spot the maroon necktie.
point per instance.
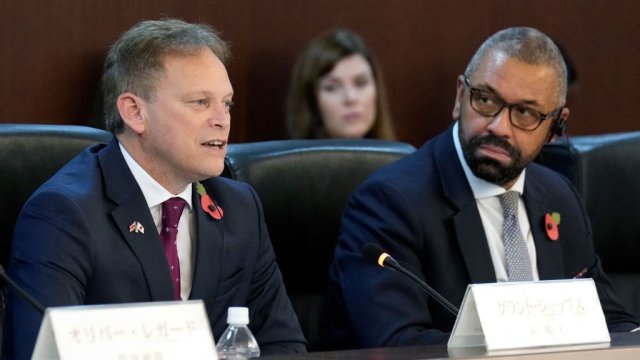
(171, 211)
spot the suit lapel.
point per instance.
(548, 253)
(466, 222)
(209, 250)
(121, 187)
(473, 245)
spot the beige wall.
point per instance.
(52, 52)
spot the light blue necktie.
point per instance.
(515, 248)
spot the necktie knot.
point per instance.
(171, 212)
(509, 203)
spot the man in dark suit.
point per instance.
(438, 211)
(90, 235)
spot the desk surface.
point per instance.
(624, 346)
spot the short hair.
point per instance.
(303, 117)
(135, 62)
(530, 46)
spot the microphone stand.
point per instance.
(20, 291)
(439, 298)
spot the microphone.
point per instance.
(20, 291)
(374, 252)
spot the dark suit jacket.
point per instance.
(72, 245)
(421, 210)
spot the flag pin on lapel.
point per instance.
(136, 227)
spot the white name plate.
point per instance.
(526, 315)
(155, 330)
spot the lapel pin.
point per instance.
(551, 222)
(208, 205)
(136, 227)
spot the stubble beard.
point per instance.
(490, 169)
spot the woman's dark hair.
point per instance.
(303, 117)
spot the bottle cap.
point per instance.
(238, 315)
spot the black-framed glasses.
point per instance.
(521, 116)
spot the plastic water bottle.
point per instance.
(237, 341)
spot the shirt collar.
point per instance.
(480, 187)
(153, 192)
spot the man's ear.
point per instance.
(459, 94)
(559, 127)
(132, 111)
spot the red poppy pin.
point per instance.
(551, 222)
(207, 203)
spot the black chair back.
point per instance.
(29, 155)
(606, 171)
(304, 186)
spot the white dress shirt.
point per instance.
(155, 194)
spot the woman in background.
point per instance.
(337, 91)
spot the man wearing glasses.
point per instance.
(468, 207)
